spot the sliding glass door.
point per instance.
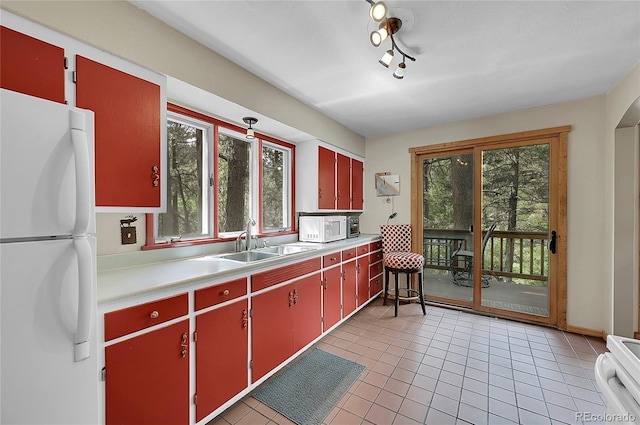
(447, 224)
(490, 214)
(515, 198)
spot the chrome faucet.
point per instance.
(250, 223)
(239, 242)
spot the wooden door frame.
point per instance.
(558, 186)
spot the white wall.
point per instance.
(586, 189)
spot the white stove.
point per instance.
(618, 377)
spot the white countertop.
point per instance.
(116, 284)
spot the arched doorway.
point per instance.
(626, 281)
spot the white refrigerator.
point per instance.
(48, 351)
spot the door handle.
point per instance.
(552, 242)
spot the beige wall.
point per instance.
(586, 188)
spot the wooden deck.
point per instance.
(505, 295)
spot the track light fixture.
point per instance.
(250, 120)
(387, 28)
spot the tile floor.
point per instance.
(452, 367)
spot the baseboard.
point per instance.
(587, 331)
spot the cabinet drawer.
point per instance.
(375, 285)
(273, 277)
(363, 249)
(375, 268)
(217, 294)
(132, 319)
(348, 254)
(374, 246)
(375, 256)
(331, 259)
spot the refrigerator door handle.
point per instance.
(85, 298)
(83, 172)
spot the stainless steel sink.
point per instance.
(249, 256)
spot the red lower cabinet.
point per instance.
(284, 320)
(363, 280)
(221, 356)
(307, 311)
(332, 310)
(147, 378)
(349, 283)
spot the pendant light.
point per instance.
(250, 120)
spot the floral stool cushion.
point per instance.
(403, 260)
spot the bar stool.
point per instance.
(398, 258)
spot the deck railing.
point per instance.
(522, 255)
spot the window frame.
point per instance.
(209, 147)
(288, 182)
(184, 113)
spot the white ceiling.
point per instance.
(473, 58)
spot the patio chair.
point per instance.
(398, 258)
(463, 275)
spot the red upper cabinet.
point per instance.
(343, 177)
(357, 184)
(128, 135)
(326, 180)
(31, 66)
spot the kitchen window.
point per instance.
(189, 195)
(218, 179)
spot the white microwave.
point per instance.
(316, 228)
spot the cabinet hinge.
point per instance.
(195, 336)
(250, 312)
(74, 77)
(250, 364)
(66, 62)
(211, 180)
(195, 399)
(103, 374)
(322, 319)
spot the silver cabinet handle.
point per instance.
(154, 314)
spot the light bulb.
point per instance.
(378, 11)
(377, 37)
